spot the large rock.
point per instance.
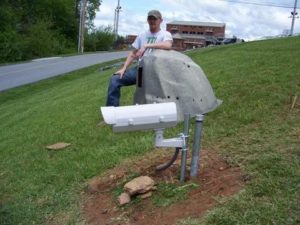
(139, 185)
(170, 76)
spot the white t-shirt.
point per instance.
(149, 38)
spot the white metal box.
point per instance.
(141, 117)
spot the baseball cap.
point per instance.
(155, 13)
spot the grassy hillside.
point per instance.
(254, 128)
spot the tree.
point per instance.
(92, 7)
(23, 36)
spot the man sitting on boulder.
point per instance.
(154, 38)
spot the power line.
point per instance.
(260, 4)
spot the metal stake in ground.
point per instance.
(196, 146)
(184, 150)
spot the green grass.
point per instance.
(168, 193)
(37, 184)
(254, 128)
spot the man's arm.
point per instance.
(131, 56)
(165, 45)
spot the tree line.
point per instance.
(35, 28)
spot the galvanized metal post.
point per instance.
(184, 149)
(196, 146)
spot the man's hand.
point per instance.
(121, 72)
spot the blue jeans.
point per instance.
(115, 84)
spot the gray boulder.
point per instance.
(170, 76)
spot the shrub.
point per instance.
(42, 41)
(101, 39)
(11, 46)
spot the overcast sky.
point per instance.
(242, 19)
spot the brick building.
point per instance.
(189, 34)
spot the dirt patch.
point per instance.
(216, 180)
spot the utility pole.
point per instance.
(294, 14)
(116, 19)
(83, 4)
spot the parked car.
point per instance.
(229, 41)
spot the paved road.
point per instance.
(25, 73)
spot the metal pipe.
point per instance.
(196, 146)
(170, 142)
(184, 149)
